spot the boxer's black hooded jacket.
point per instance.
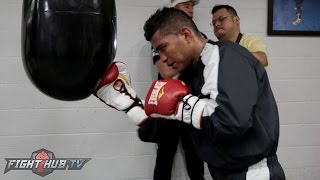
(240, 126)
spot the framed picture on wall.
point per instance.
(294, 17)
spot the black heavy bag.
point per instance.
(68, 44)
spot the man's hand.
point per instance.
(170, 99)
(115, 91)
(114, 88)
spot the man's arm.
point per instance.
(255, 45)
(231, 84)
(262, 57)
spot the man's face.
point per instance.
(165, 70)
(224, 24)
(186, 7)
(173, 50)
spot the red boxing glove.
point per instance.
(114, 90)
(164, 96)
(170, 99)
(108, 77)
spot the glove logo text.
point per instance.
(156, 94)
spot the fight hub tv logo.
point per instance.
(43, 163)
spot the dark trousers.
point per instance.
(299, 6)
(275, 171)
(167, 147)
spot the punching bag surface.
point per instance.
(68, 44)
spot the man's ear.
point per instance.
(187, 34)
(237, 19)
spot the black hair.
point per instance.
(167, 21)
(229, 8)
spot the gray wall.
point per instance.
(89, 129)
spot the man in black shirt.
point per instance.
(230, 105)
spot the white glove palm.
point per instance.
(119, 95)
